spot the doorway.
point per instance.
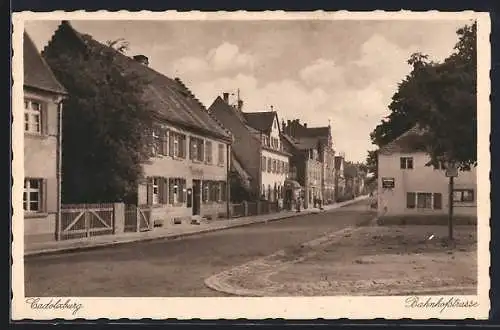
(196, 197)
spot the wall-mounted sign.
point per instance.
(387, 182)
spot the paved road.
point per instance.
(176, 267)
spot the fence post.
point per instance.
(138, 219)
(119, 218)
(245, 208)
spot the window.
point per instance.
(156, 141)
(32, 116)
(274, 166)
(32, 196)
(463, 195)
(204, 191)
(177, 144)
(208, 152)
(264, 163)
(269, 165)
(220, 160)
(406, 163)
(196, 149)
(177, 189)
(157, 190)
(423, 200)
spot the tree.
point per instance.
(371, 162)
(441, 98)
(104, 124)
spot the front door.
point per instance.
(196, 197)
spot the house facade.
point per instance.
(43, 96)
(406, 186)
(186, 174)
(262, 160)
(311, 164)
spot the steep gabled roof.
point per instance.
(412, 140)
(261, 121)
(37, 73)
(170, 98)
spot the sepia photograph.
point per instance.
(245, 156)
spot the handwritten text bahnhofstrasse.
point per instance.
(440, 303)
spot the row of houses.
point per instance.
(201, 159)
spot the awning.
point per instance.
(292, 184)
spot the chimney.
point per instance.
(305, 125)
(225, 96)
(142, 59)
(240, 105)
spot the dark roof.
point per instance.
(261, 121)
(304, 143)
(412, 140)
(315, 131)
(37, 73)
(170, 98)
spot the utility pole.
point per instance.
(451, 173)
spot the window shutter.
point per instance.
(410, 200)
(44, 118)
(149, 186)
(164, 142)
(171, 191)
(182, 147)
(43, 195)
(437, 201)
(171, 144)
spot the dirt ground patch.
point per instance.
(385, 261)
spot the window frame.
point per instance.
(413, 203)
(27, 195)
(405, 162)
(462, 198)
(29, 113)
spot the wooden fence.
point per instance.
(86, 220)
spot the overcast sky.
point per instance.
(343, 71)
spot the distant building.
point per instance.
(186, 173)
(262, 162)
(313, 160)
(340, 179)
(406, 186)
(43, 96)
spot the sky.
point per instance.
(342, 72)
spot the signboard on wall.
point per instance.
(388, 183)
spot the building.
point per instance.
(312, 162)
(260, 158)
(406, 186)
(43, 96)
(186, 173)
(340, 179)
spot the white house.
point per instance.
(406, 186)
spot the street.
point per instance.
(177, 267)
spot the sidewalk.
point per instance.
(171, 232)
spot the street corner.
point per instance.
(368, 261)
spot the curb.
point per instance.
(53, 251)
